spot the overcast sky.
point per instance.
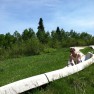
(67, 14)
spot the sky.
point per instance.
(66, 14)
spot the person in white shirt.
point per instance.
(75, 57)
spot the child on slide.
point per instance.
(74, 58)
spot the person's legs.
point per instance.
(71, 60)
(79, 60)
(71, 63)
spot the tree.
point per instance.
(47, 38)
(17, 36)
(86, 37)
(9, 40)
(63, 33)
(28, 34)
(58, 34)
(31, 33)
(41, 31)
(25, 34)
(2, 40)
(54, 41)
(41, 26)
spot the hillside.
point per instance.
(79, 83)
(15, 69)
(18, 68)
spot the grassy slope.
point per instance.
(15, 69)
(79, 83)
(86, 50)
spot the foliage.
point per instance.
(87, 49)
(41, 31)
(33, 47)
(79, 83)
(31, 43)
(28, 34)
(49, 50)
(18, 68)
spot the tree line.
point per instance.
(31, 43)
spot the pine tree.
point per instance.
(41, 31)
(41, 26)
(58, 34)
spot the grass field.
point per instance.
(15, 69)
(79, 83)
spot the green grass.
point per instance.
(86, 50)
(15, 69)
(79, 83)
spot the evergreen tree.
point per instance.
(41, 31)
(41, 26)
(58, 34)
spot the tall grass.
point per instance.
(86, 50)
(79, 83)
(18, 68)
(15, 69)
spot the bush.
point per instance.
(33, 47)
(17, 50)
(49, 50)
(4, 53)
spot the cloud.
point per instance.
(74, 14)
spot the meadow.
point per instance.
(19, 68)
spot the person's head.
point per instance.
(72, 50)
